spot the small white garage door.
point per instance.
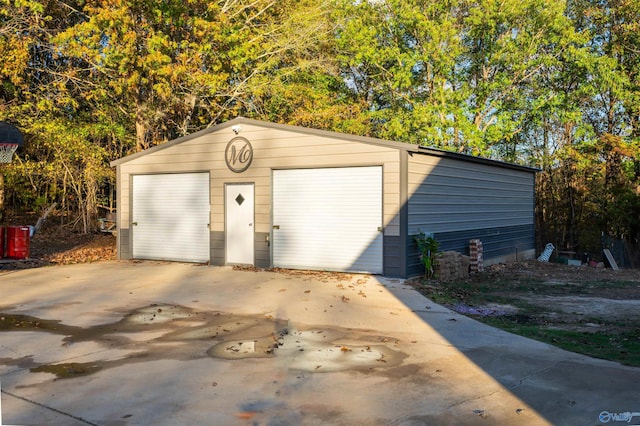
(328, 219)
(170, 217)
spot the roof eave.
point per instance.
(173, 142)
(419, 149)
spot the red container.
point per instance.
(17, 242)
(2, 240)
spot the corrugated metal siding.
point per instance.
(328, 218)
(216, 242)
(442, 192)
(514, 242)
(497, 242)
(263, 250)
(458, 201)
(273, 149)
(171, 212)
(123, 241)
(392, 261)
(447, 195)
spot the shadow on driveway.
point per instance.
(121, 343)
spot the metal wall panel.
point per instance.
(328, 219)
(393, 262)
(447, 195)
(170, 217)
(512, 243)
(458, 201)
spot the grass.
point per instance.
(606, 338)
(623, 347)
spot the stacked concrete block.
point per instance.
(475, 253)
(452, 266)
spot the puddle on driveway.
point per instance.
(65, 371)
(162, 331)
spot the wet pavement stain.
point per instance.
(65, 371)
(9, 322)
(163, 331)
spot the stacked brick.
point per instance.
(451, 266)
(475, 254)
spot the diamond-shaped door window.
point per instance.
(239, 199)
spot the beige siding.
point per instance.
(273, 149)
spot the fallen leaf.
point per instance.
(246, 415)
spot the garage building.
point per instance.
(248, 192)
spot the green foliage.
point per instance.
(428, 247)
(64, 162)
(549, 84)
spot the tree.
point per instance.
(515, 52)
(34, 79)
(399, 59)
(175, 68)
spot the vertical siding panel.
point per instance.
(274, 148)
(459, 200)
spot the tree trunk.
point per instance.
(141, 143)
(142, 126)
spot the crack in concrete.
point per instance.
(30, 401)
(464, 401)
(528, 377)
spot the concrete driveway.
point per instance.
(139, 343)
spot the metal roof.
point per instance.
(411, 148)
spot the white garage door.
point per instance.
(170, 217)
(328, 219)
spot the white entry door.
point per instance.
(239, 240)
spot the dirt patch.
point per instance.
(589, 310)
(594, 308)
(58, 245)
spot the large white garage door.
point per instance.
(328, 219)
(170, 217)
